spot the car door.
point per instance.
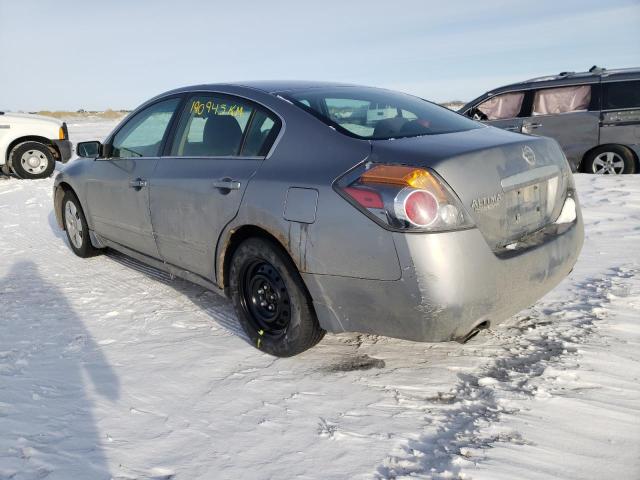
(620, 112)
(570, 114)
(218, 144)
(502, 111)
(117, 192)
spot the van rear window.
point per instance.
(621, 95)
(376, 114)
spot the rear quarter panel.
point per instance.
(341, 241)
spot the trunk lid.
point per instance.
(511, 184)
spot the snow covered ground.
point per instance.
(110, 369)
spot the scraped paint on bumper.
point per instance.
(451, 282)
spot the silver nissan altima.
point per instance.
(326, 207)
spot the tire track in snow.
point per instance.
(467, 418)
(215, 306)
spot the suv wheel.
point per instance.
(271, 300)
(610, 160)
(31, 160)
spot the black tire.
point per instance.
(40, 152)
(293, 327)
(593, 162)
(80, 245)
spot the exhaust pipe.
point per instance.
(473, 332)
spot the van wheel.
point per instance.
(31, 160)
(271, 300)
(610, 160)
(76, 226)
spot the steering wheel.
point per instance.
(477, 114)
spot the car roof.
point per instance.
(270, 87)
(273, 86)
(267, 86)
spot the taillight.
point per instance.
(405, 198)
(366, 197)
(418, 207)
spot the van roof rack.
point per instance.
(567, 74)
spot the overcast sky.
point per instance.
(67, 54)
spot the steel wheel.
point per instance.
(34, 161)
(271, 299)
(73, 224)
(608, 163)
(265, 298)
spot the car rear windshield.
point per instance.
(375, 114)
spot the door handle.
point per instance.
(532, 125)
(227, 184)
(513, 128)
(138, 183)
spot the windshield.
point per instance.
(376, 114)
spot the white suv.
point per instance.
(31, 144)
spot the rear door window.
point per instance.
(506, 105)
(261, 134)
(619, 95)
(562, 100)
(211, 126)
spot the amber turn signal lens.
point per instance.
(404, 176)
(61, 134)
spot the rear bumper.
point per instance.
(451, 282)
(64, 147)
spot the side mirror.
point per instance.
(89, 149)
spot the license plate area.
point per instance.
(526, 206)
(530, 198)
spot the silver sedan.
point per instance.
(325, 207)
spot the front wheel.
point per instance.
(610, 160)
(271, 300)
(32, 160)
(76, 226)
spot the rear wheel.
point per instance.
(31, 160)
(76, 226)
(610, 160)
(271, 300)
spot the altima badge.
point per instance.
(529, 155)
(486, 203)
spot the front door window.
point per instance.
(500, 107)
(142, 135)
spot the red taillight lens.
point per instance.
(365, 197)
(404, 198)
(418, 207)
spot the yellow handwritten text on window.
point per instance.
(198, 108)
